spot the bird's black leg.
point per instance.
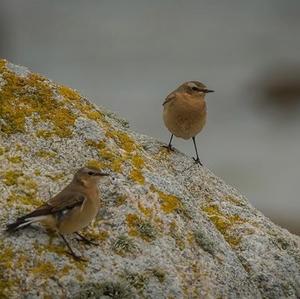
(85, 240)
(75, 256)
(169, 146)
(197, 160)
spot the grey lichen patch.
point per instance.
(107, 289)
(19, 70)
(204, 241)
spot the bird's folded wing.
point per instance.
(66, 200)
(169, 98)
(62, 201)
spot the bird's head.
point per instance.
(87, 175)
(194, 88)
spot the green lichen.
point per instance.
(123, 245)
(136, 280)
(159, 273)
(107, 289)
(203, 240)
(140, 227)
(176, 235)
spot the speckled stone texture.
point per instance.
(167, 228)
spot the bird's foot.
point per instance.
(85, 240)
(169, 147)
(197, 161)
(77, 258)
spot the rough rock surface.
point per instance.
(166, 229)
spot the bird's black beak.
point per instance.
(99, 173)
(208, 90)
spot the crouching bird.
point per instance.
(70, 210)
(184, 112)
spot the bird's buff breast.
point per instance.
(185, 118)
(78, 218)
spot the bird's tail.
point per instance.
(21, 222)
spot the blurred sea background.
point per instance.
(128, 55)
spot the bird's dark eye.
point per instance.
(90, 173)
(195, 88)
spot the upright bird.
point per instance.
(70, 210)
(185, 113)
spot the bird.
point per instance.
(184, 112)
(71, 210)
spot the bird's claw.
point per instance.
(77, 258)
(86, 241)
(197, 161)
(169, 147)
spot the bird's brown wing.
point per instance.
(62, 201)
(169, 98)
(66, 200)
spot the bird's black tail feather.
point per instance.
(19, 223)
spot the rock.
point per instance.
(167, 228)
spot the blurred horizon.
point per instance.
(128, 56)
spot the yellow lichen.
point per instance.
(37, 172)
(146, 211)
(2, 150)
(75, 99)
(169, 203)
(138, 161)
(107, 154)
(56, 176)
(101, 235)
(120, 201)
(223, 222)
(11, 176)
(122, 139)
(44, 134)
(21, 97)
(99, 145)
(137, 176)
(45, 154)
(15, 159)
(44, 269)
(94, 164)
(6, 264)
(23, 199)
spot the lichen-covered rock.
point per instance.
(166, 229)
